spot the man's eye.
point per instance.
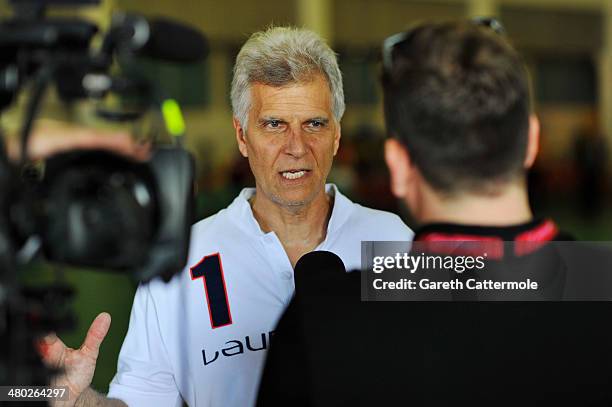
(273, 124)
(317, 124)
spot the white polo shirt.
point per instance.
(203, 336)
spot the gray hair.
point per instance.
(279, 56)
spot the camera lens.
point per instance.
(100, 213)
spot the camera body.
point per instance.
(88, 208)
(97, 209)
(94, 208)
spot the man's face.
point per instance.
(291, 140)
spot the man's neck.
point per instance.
(507, 207)
(300, 229)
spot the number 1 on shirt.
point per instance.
(211, 270)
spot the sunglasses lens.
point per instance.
(392, 42)
(491, 23)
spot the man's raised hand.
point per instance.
(76, 366)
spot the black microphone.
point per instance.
(158, 38)
(175, 42)
(315, 267)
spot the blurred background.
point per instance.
(567, 45)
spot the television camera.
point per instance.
(88, 208)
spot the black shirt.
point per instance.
(331, 349)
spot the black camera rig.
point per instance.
(87, 207)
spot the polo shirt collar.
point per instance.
(241, 213)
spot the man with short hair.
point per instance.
(202, 337)
(462, 138)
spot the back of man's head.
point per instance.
(456, 96)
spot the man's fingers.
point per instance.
(45, 142)
(116, 142)
(51, 349)
(97, 331)
(49, 138)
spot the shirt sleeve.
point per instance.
(144, 375)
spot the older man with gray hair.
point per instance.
(202, 338)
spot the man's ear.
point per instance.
(240, 137)
(400, 167)
(533, 142)
(337, 139)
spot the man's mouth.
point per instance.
(293, 174)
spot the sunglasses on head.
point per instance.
(395, 40)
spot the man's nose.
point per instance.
(296, 143)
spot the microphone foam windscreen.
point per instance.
(317, 265)
(175, 42)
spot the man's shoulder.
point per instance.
(588, 271)
(210, 223)
(380, 224)
(217, 233)
(227, 222)
(222, 223)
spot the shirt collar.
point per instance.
(241, 213)
(453, 238)
(535, 230)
